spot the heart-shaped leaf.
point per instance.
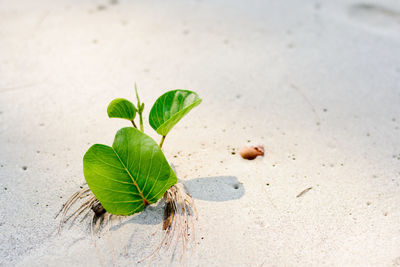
(170, 108)
(130, 174)
(121, 108)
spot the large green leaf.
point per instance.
(130, 174)
(121, 108)
(170, 108)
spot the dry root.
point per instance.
(179, 215)
(89, 202)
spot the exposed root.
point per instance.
(89, 202)
(94, 240)
(178, 224)
(179, 215)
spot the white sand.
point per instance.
(268, 72)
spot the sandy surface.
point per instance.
(316, 82)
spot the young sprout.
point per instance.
(124, 178)
(140, 109)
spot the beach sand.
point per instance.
(317, 83)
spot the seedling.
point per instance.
(124, 178)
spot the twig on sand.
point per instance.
(309, 103)
(304, 191)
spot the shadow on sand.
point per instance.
(216, 188)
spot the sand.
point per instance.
(316, 82)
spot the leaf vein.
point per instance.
(108, 178)
(117, 191)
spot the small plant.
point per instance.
(124, 178)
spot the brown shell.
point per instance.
(252, 152)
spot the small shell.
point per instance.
(251, 152)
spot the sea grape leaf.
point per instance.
(129, 175)
(170, 108)
(121, 108)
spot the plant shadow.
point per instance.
(151, 215)
(216, 188)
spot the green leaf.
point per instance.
(170, 108)
(130, 174)
(121, 108)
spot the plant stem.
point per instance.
(162, 141)
(141, 121)
(134, 124)
(140, 109)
